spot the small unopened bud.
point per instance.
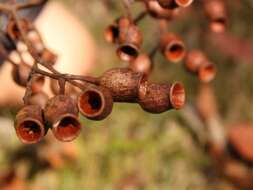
(61, 114)
(29, 124)
(95, 103)
(172, 47)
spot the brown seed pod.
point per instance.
(20, 74)
(12, 29)
(29, 124)
(48, 56)
(6, 42)
(171, 4)
(124, 23)
(157, 11)
(142, 64)
(172, 47)
(95, 103)
(61, 114)
(217, 14)
(240, 137)
(158, 98)
(167, 4)
(183, 3)
(112, 32)
(123, 84)
(39, 98)
(130, 41)
(207, 72)
(194, 59)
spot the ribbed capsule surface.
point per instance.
(61, 114)
(95, 103)
(123, 84)
(29, 124)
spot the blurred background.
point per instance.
(132, 149)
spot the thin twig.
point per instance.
(140, 17)
(72, 79)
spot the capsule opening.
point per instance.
(177, 95)
(218, 25)
(175, 52)
(207, 73)
(127, 52)
(184, 3)
(67, 129)
(30, 131)
(90, 102)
